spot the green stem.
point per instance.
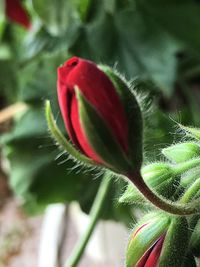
(161, 203)
(94, 216)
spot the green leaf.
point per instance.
(103, 26)
(8, 79)
(83, 7)
(29, 124)
(145, 50)
(179, 18)
(38, 180)
(35, 176)
(141, 47)
(57, 16)
(38, 42)
(38, 77)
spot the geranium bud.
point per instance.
(147, 237)
(96, 117)
(161, 177)
(155, 241)
(181, 152)
(158, 176)
(157, 173)
(176, 243)
(17, 13)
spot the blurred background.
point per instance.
(154, 40)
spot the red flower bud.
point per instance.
(17, 13)
(151, 257)
(158, 241)
(82, 77)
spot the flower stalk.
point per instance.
(94, 216)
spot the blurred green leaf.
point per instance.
(38, 78)
(28, 125)
(146, 51)
(141, 48)
(38, 178)
(179, 18)
(41, 175)
(57, 16)
(8, 79)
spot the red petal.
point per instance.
(151, 256)
(98, 90)
(78, 132)
(144, 258)
(16, 12)
(155, 253)
(64, 98)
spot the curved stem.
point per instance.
(164, 204)
(94, 216)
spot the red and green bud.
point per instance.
(17, 13)
(91, 100)
(158, 241)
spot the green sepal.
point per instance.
(186, 180)
(156, 225)
(182, 152)
(191, 131)
(176, 243)
(192, 192)
(195, 240)
(158, 176)
(61, 141)
(189, 177)
(100, 137)
(133, 115)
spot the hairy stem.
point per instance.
(161, 203)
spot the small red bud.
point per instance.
(17, 13)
